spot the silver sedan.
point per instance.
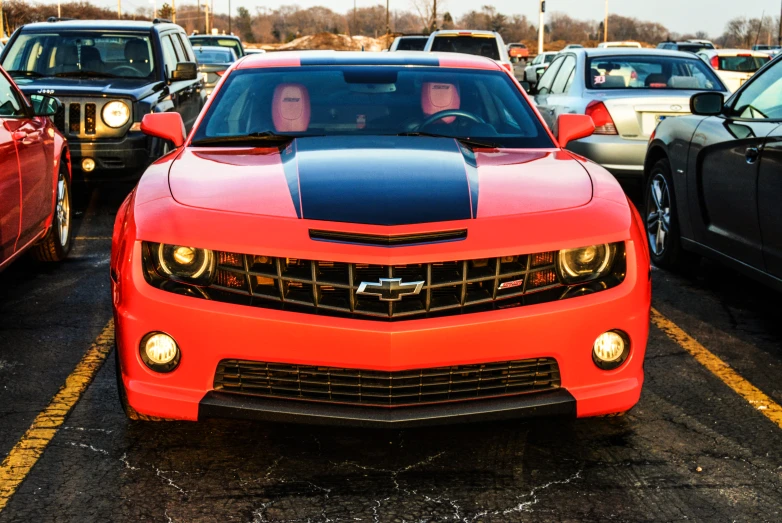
(627, 92)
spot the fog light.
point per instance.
(160, 352)
(611, 349)
(88, 164)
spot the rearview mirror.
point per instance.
(44, 105)
(166, 126)
(707, 104)
(573, 127)
(185, 71)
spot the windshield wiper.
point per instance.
(466, 141)
(85, 74)
(20, 72)
(250, 139)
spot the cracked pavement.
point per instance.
(691, 450)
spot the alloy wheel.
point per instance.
(63, 210)
(658, 217)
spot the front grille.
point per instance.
(74, 118)
(332, 288)
(387, 389)
(89, 119)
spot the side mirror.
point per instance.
(527, 87)
(44, 105)
(707, 104)
(185, 71)
(167, 126)
(573, 127)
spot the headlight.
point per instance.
(116, 114)
(181, 263)
(585, 263)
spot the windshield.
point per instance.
(83, 53)
(650, 72)
(219, 42)
(213, 56)
(481, 106)
(742, 63)
(412, 44)
(477, 45)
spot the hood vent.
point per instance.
(402, 240)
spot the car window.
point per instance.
(178, 49)
(220, 42)
(364, 100)
(545, 82)
(10, 105)
(762, 99)
(564, 75)
(169, 54)
(650, 72)
(480, 46)
(185, 43)
(538, 59)
(411, 44)
(81, 53)
(207, 55)
(745, 63)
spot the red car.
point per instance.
(376, 239)
(35, 178)
(518, 51)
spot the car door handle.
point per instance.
(26, 137)
(753, 153)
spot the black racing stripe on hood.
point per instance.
(471, 166)
(291, 170)
(383, 180)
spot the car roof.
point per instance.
(213, 48)
(725, 52)
(625, 51)
(105, 25)
(400, 58)
(463, 32)
(412, 36)
(215, 37)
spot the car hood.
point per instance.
(382, 180)
(136, 89)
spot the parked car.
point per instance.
(480, 43)
(538, 66)
(409, 43)
(253, 51)
(108, 75)
(518, 50)
(618, 45)
(735, 66)
(761, 47)
(572, 46)
(690, 46)
(713, 184)
(212, 63)
(627, 92)
(252, 270)
(230, 41)
(35, 178)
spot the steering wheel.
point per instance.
(450, 112)
(127, 68)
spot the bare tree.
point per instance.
(427, 12)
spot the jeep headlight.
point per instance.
(116, 114)
(181, 262)
(585, 263)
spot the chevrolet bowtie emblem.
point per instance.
(390, 289)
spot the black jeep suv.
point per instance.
(108, 75)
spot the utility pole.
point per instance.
(59, 10)
(119, 8)
(434, 16)
(206, 17)
(154, 9)
(229, 18)
(388, 27)
(354, 17)
(605, 25)
(173, 11)
(541, 25)
(2, 21)
(779, 36)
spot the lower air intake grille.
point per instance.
(89, 118)
(74, 118)
(387, 389)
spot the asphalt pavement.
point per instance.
(692, 449)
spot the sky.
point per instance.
(682, 16)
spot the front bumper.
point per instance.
(208, 332)
(115, 158)
(621, 157)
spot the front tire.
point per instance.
(55, 246)
(662, 220)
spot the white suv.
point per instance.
(480, 43)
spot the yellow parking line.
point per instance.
(762, 403)
(17, 465)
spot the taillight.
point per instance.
(715, 62)
(604, 124)
(220, 73)
(508, 66)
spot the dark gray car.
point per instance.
(714, 181)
